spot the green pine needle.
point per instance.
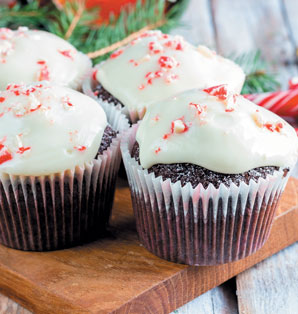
(87, 36)
(258, 79)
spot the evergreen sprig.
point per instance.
(88, 36)
(258, 77)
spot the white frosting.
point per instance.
(225, 133)
(46, 129)
(156, 66)
(28, 56)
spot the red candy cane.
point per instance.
(283, 103)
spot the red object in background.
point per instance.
(283, 103)
(108, 6)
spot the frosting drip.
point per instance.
(215, 129)
(157, 65)
(28, 56)
(46, 129)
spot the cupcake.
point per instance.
(206, 170)
(28, 56)
(59, 159)
(156, 66)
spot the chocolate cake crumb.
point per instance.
(108, 135)
(104, 95)
(186, 172)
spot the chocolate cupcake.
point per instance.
(28, 56)
(206, 170)
(156, 66)
(59, 160)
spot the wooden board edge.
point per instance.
(35, 300)
(191, 282)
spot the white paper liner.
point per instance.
(88, 89)
(63, 209)
(198, 226)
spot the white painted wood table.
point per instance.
(237, 26)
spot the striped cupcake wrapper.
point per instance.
(64, 209)
(198, 226)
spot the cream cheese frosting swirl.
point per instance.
(28, 56)
(156, 66)
(46, 129)
(215, 129)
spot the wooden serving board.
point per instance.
(117, 275)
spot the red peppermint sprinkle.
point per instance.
(168, 44)
(154, 47)
(94, 75)
(34, 109)
(158, 74)
(29, 91)
(167, 62)
(22, 150)
(229, 110)
(157, 150)
(5, 155)
(2, 99)
(278, 127)
(80, 148)
(220, 91)
(41, 62)
(116, 54)
(66, 53)
(200, 109)
(269, 126)
(179, 47)
(167, 135)
(274, 127)
(44, 74)
(156, 118)
(141, 87)
(177, 128)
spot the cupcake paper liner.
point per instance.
(63, 209)
(88, 89)
(198, 226)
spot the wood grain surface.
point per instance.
(228, 25)
(118, 275)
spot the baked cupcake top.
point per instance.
(46, 129)
(156, 66)
(28, 56)
(215, 129)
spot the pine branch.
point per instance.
(258, 78)
(31, 15)
(75, 24)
